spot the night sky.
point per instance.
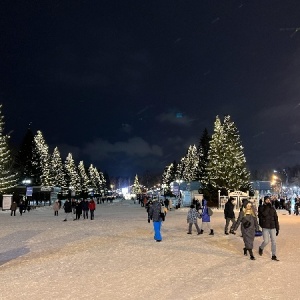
(129, 85)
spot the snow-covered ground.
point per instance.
(115, 257)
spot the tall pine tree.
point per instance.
(7, 175)
(227, 164)
(24, 158)
(57, 172)
(191, 160)
(84, 179)
(41, 159)
(169, 174)
(72, 177)
(216, 156)
(203, 150)
(237, 175)
(136, 189)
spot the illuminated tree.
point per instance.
(169, 174)
(216, 155)
(237, 176)
(180, 169)
(227, 164)
(72, 177)
(84, 179)
(57, 173)
(136, 189)
(41, 159)
(97, 181)
(7, 176)
(191, 161)
(103, 180)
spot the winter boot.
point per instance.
(201, 231)
(275, 258)
(245, 251)
(251, 254)
(260, 251)
(211, 232)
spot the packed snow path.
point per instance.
(115, 257)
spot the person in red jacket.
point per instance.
(92, 208)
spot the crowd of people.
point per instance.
(292, 205)
(76, 207)
(253, 221)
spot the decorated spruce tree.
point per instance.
(92, 178)
(57, 172)
(227, 164)
(237, 175)
(72, 177)
(7, 175)
(136, 189)
(169, 174)
(41, 159)
(216, 168)
(180, 169)
(96, 178)
(190, 171)
(84, 179)
(103, 180)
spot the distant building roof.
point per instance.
(261, 185)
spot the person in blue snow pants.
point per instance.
(157, 234)
(155, 216)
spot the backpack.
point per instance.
(210, 211)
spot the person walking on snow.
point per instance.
(155, 216)
(229, 215)
(192, 218)
(268, 221)
(249, 225)
(205, 218)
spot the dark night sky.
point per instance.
(106, 80)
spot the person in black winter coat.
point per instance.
(268, 220)
(85, 208)
(155, 216)
(68, 209)
(78, 208)
(229, 215)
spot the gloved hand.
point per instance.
(277, 232)
(148, 220)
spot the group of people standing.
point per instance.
(77, 207)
